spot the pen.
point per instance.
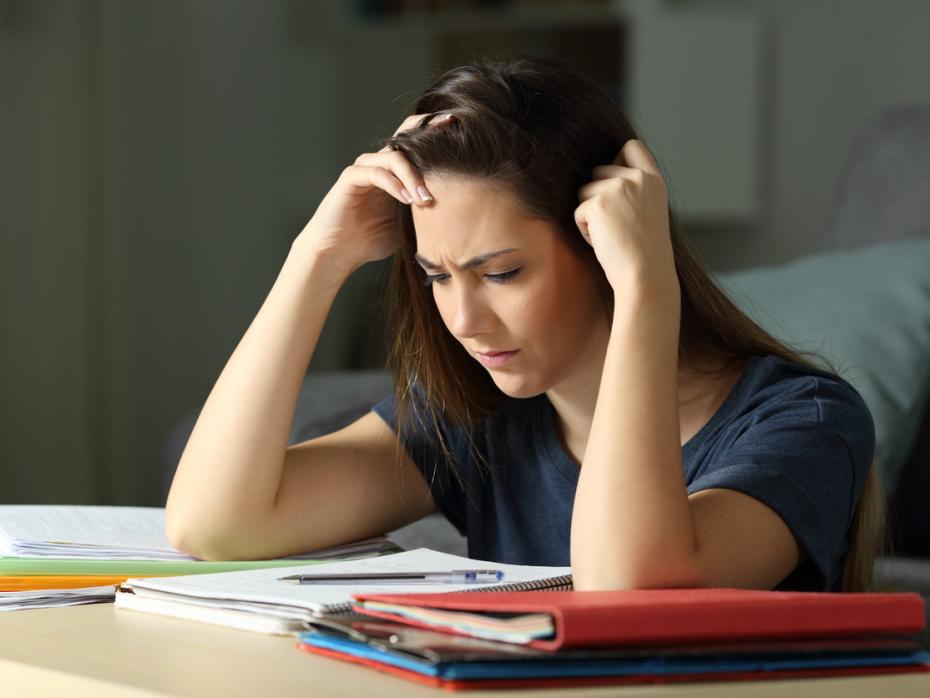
(451, 577)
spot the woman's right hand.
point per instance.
(354, 222)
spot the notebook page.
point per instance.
(263, 585)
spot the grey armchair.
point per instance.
(885, 197)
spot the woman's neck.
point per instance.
(700, 395)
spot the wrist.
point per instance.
(647, 295)
(326, 265)
(650, 285)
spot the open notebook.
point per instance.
(257, 600)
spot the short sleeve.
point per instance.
(420, 442)
(805, 456)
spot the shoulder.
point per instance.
(797, 421)
(785, 392)
(806, 423)
(800, 440)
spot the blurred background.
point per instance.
(157, 158)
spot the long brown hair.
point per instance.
(536, 128)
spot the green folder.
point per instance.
(20, 566)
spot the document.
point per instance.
(17, 600)
(82, 531)
(113, 532)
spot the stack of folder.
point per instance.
(570, 638)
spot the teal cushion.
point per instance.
(867, 311)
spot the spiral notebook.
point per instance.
(257, 600)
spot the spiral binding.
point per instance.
(561, 583)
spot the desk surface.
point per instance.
(101, 651)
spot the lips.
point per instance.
(493, 359)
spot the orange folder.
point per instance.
(36, 582)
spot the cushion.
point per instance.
(867, 312)
(885, 194)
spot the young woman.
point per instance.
(571, 386)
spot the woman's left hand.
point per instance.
(624, 215)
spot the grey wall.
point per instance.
(47, 383)
(157, 158)
(833, 64)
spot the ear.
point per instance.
(441, 119)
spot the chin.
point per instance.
(517, 386)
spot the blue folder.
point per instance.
(661, 661)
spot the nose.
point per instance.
(466, 313)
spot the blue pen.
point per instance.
(450, 577)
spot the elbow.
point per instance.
(217, 538)
(194, 528)
(196, 539)
(660, 576)
(179, 528)
(620, 584)
(200, 546)
(180, 536)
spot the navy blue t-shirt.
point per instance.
(797, 439)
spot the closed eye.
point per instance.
(431, 279)
(501, 278)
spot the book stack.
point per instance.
(570, 638)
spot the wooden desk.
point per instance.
(97, 650)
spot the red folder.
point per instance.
(663, 616)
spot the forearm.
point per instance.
(231, 468)
(631, 522)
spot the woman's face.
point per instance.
(505, 282)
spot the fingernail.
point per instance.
(406, 194)
(424, 195)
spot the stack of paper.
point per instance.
(16, 600)
(57, 548)
(258, 600)
(103, 532)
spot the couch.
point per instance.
(863, 301)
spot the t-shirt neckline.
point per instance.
(734, 397)
(567, 466)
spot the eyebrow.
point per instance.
(473, 262)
